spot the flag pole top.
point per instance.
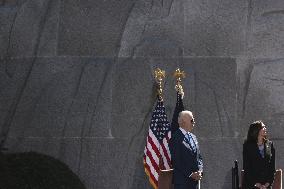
(159, 75)
(179, 75)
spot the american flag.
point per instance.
(157, 154)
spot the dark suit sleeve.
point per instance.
(176, 155)
(248, 177)
(200, 162)
(199, 158)
(272, 164)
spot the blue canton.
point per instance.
(159, 123)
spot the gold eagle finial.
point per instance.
(179, 75)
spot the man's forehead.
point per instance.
(189, 116)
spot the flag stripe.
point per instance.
(166, 154)
(154, 141)
(152, 179)
(153, 167)
(153, 152)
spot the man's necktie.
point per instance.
(190, 141)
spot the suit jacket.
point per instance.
(256, 168)
(184, 160)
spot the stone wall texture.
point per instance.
(76, 80)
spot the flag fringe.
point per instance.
(148, 174)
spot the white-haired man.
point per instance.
(185, 153)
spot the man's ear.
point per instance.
(182, 121)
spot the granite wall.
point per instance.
(76, 80)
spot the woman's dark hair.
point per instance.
(253, 131)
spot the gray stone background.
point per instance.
(76, 80)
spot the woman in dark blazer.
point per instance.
(258, 158)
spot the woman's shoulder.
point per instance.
(248, 144)
(269, 143)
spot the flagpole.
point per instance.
(152, 151)
(159, 75)
(179, 75)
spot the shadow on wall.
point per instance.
(228, 179)
(36, 171)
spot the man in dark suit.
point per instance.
(185, 153)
